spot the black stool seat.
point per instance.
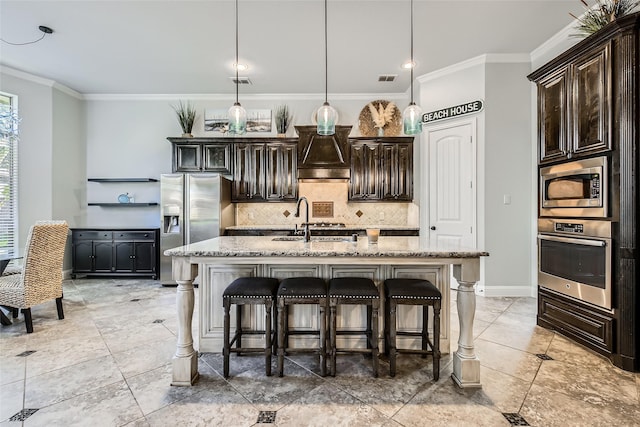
(308, 287)
(249, 291)
(301, 290)
(412, 292)
(411, 288)
(354, 290)
(251, 287)
(353, 287)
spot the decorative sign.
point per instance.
(449, 112)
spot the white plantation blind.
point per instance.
(8, 176)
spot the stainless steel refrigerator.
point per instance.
(194, 207)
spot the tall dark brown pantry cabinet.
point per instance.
(589, 106)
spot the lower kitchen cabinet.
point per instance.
(115, 252)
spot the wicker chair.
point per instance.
(41, 276)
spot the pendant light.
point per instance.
(326, 115)
(412, 115)
(237, 114)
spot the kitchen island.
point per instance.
(217, 262)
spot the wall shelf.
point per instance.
(123, 205)
(122, 180)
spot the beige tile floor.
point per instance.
(108, 364)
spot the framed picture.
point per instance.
(216, 120)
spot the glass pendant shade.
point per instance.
(237, 120)
(327, 117)
(412, 118)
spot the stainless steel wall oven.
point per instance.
(574, 258)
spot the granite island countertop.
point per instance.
(268, 246)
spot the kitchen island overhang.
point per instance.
(218, 261)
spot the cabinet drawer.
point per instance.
(92, 235)
(133, 235)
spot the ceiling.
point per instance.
(187, 47)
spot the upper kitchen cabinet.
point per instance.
(281, 171)
(365, 171)
(381, 169)
(264, 170)
(574, 104)
(248, 173)
(396, 171)
(201, 155)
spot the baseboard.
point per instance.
(509, 291)
(66, 274)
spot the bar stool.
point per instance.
(412, 292)
(249, 291)
(354, 290)
(301, 290)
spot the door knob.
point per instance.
(433, 227)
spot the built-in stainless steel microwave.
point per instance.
(575, 189)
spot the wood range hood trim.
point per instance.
(323, 157)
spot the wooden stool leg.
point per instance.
(323, 337)
(332, 336)
(238, 326)
(373, 337)
(226, 347)
(392, 337)
(368, 331)
(281, 333)
(387, 322)
(267, 337)
(425, 330)
(436, 340)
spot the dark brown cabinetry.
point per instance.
(201, 155)
(115, 252)
(381, 169)
(248, 173)
(365, 171)
(589, 102)
(396, 171)
(281, 171)
(574, 104)
(265, 171)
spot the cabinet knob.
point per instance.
(433, 227)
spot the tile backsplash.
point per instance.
(366, 214)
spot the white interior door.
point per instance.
(452, 183)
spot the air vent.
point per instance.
(387, 77)
(241, 80)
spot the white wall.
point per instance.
(508, 172)
(126, 137)
(504, 162)
(35, 149)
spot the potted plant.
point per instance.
(283, 119)
(604, 12)
(186, 116)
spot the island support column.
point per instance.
(185, 361)
(466, 365)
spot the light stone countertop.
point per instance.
(266, 246)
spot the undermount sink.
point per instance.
(313, 239)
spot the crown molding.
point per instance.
(244, 98)
(556, 40)
(40, 80)
(489, 58)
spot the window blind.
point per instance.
(8, 175)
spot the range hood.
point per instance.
(323, 157)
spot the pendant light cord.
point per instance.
(326, 56)
(237, 82)
(412, 63)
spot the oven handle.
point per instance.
(586, 242)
